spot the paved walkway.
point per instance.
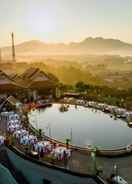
(84, 163)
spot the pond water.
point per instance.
(84, 126)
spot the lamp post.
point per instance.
(67, 143)
(93, 156)
(116, 172)
(49, 131)
(71, 135)
(37, 121)
(40, 133)
(43, 135)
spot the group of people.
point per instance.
(42, 147)
(2, 139)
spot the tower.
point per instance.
(13, 48)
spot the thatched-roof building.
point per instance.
(39, 80)
(32, 82)
(9, 85)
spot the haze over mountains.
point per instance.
(89, 45)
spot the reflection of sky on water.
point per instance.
(88, 126)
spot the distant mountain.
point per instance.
(89, 45)
(101, 43)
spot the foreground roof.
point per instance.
(35, 74)
(35, 173)
(31, 78)
(4, 78)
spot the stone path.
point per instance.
(84, 163)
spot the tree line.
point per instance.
(103, 94)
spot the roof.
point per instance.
(13, 76)
(20, 82)
(36, 74)
(6, 176)
(39, 78)
(29, 73)
(28, 168)
(15, 81)
(31, 78)
(4, 78)
(12, 100)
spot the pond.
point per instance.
(84, 126)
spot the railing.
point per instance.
(52, 166)
(100, 152)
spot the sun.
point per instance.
(42, 21)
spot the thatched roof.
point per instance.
(39, 78)
(6, 82)
(12, 100)
(29, 73)
(4, 78)
(36, 73)
(33, 78)
(21, 82)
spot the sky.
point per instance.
(65, 20)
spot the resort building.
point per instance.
(31, 83)
(9, 86)
(40, 82)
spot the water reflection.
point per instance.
(89, 126)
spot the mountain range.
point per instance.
(89, 45)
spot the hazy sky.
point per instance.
(65, 20)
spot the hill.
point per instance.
(89, 45)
